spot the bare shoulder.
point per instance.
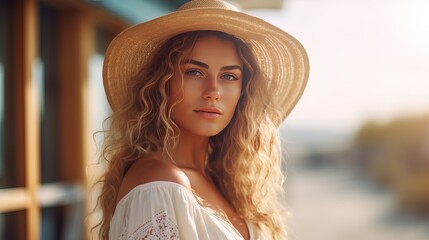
(151, 170)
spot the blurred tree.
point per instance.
(396, 155)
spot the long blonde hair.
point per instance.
(243, 160)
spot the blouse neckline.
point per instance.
(209, 211)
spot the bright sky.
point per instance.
(369, 59)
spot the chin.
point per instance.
(203, 130)
(210, 133)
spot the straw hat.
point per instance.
(280, 56)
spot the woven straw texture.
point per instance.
(282, 59)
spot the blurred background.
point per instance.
(356, 146)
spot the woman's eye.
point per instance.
(193, 73)
(229, 77)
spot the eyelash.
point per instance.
(229, 77)
(193, 73)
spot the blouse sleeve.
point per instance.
(157, 210)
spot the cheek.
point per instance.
(231, 101)
(234, 95)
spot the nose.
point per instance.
(212, 90)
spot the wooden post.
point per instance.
(28, 120)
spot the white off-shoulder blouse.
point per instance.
(167, 210)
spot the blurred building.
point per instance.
(51, 103)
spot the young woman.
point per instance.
(192, 150)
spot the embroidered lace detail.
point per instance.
(159, 227)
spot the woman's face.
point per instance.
(212, 80)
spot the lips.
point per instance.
(209, 112)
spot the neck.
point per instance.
(190, 152)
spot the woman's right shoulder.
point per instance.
(149, 170)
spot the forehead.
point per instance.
(214, 49)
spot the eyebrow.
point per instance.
(204, 65)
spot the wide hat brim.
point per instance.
(281, 58)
